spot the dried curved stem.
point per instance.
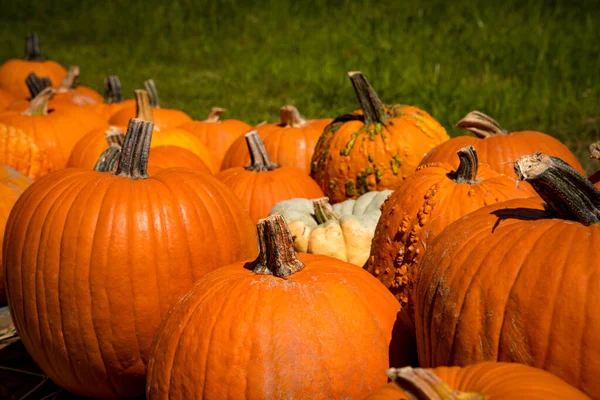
(595, 150)
(259, 157)
(35, 84)
(152, 93)
(143, 108)
(290, 117)
(323, 210)
(215, 114)
(481, 125)
(113, 91)
(39, 104)
(133, 162)
(422, 384)
(70, 81)
(467, 169)
(372, 107)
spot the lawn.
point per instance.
(530, 64)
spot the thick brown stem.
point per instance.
(108, 159)
(33, 51)
(143, 109)
(277, 256)
(215, 114)
(152, 93)
(467, 169)
(481, 125)
(290, 117)
(567, 193)
(422, 384)
(35, 84)
(133, 162)
(115, 136)
(113, 92)
(323, 210)
(595, 150)
(39, 104)
(71, 80)
(372, 107)
(259, 157)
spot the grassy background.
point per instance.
(529, 64)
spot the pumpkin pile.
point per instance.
(363, 256)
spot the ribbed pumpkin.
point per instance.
(290, 142)
(164, 118)
(106, 255)
(12, 185)
(518, 281)
(487, 380)
(20, 151)
(56, 132)
(283, 326)
(218, 135)
(422, 206)
(114, 101)
(263, 184)
(6, 99)
(14, 72)
(498, 147)
(373, 149)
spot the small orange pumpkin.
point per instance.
(19, 151)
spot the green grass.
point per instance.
(529, 64)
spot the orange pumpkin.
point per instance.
(70, 91)
(87, 150)
(12, 184)
(498, 147)
(487, 380)
(164, 118)
(246, 330)
(217, 135)
(19, 151)
(106, 255)
(56, 132)
(6, 99)
(263, 184)
(290, 142)
(374, 149)
(176, 157)
(14, 72)
(517, 281)
(114, 100)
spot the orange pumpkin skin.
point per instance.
(164, 118)
(176, 157)
(12, 185)
(290, 142)
(6, 99)
(19, 151)
(265, 329)
(80, 96)
(497, 380)
(419, 210)
(111, 255)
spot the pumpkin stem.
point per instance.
(372, 107)
(39, 104)
(143, 107)
(290, 117)
(277, 256)
(467, 169)
(481, 125)
(152, 93)
(70, 81)
(115, 136)
(35, 84)
(113, 92)
(259, 157)
(595, 150)
(566, 192)
(33, 50)
(323, 210)
(215, 114)
(133, 161)
(422, 384)
(108, 159)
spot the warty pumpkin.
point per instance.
(14, 72)
(55, 132)
(422, 206)
(344, 230)
(486, 380)
(218, 135)
(12, 185)
(19, 151)
(95, 260)
(518, 281)
(263, 184)
(290, 142)
(246, 330)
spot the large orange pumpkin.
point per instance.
(283, 326)
(12, 185)
(56, 132)
(498, 147)
(374, 149)
(164, 118)
(518, 281)
(422, 206)
(218, 135)
(20, 151)
(106, 255)
(290, 142)
(486, 380)
(263, 184)
(14, 72)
